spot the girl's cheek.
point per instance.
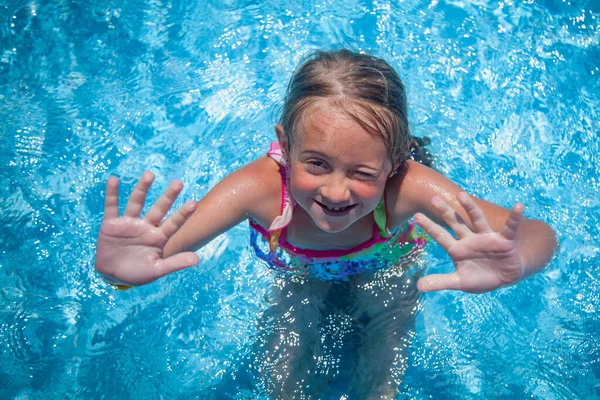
(303, 181)
(367, 188)
(368, 192)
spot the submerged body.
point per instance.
(326, 339)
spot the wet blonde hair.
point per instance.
(363, 87)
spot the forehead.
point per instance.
(329, 130)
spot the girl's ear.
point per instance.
(282, 140)
(395, 169)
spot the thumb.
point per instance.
(435, 282)
(177, 262)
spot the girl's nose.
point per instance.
(335, 190)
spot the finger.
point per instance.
(111, 199)
(437, 233)
(138, 196)
(435, 282)
(177, 262)
(509, 231)
(451, 217)
(476, 215)
(176, 221)
(164, 203)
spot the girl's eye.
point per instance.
(365, 175)
(316, 164)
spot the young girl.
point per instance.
(333, 201)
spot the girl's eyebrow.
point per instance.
(313, 152)
(321, 155)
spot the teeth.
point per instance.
(334, 209)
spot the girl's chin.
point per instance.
(332, 224)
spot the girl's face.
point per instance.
(338, 171)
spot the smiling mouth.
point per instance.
(335, 211)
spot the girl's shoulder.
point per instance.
(411, 189)
(260, 184)
(263, 169)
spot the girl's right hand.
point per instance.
(129, 251)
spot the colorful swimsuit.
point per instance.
(383, 250)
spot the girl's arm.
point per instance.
(134, 250)
(253, 191)
(494, 246)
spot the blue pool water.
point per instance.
(508, 91)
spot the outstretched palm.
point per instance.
(129, 250)
(484, 259)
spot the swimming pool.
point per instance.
(507, 90)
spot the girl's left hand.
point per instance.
(484, 259)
